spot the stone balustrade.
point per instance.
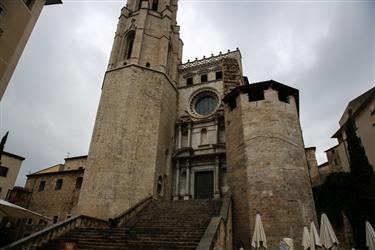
(205, 61)
(218, 235)
(81, 221)
(125, 216)
(50, 233)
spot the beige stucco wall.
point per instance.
(6, 183)
(337, 158)
(17, 24)
(365, 122)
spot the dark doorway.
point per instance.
(204, 185)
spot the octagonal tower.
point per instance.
(133, 135)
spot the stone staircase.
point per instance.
(163, 225)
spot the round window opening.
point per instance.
(206, 105)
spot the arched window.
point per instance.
(204, 140)
(169, 59)
(155, 4)
(160, 186)
(184, 139)
(129, 42)
(182, 182)
(59, 184)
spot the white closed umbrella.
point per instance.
(289, 242)
(305, 238)
(314, 237)
(327, 235)
(11, 210)
(259, 236)
(370, 236)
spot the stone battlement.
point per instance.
(205, 61)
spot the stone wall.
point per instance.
(13, 164)
(75, 163)
(268, 169)
(131, 143)
(237, 175)
(312, 166)
(51, 202)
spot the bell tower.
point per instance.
(129, 157)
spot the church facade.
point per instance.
(194, 130)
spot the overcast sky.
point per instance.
(323, 48)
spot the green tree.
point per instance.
(362, 191)
(350, 193)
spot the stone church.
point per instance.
(192, 132)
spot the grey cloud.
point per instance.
(324, 49)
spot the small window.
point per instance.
(55, 219)
(189, 81)
(140, 4)
(219, 75)
(30, 221)
(204, 138)
(129, 42)
(68, 216)
(42, 185)
(160, 186)
(59, 184)
(335, 162)
(283, 97)
(79, 183)
(232, 104)
(204, 78)
(29, 3)
(1, 11)
(256, 95)
(3, 171)
(155, 4)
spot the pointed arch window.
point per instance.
(129, 42)
(155, 4)
(160, 186)
(169, 59)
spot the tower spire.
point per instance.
(145, 29)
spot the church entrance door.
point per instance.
(204, 185)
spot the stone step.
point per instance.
(162, 225)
